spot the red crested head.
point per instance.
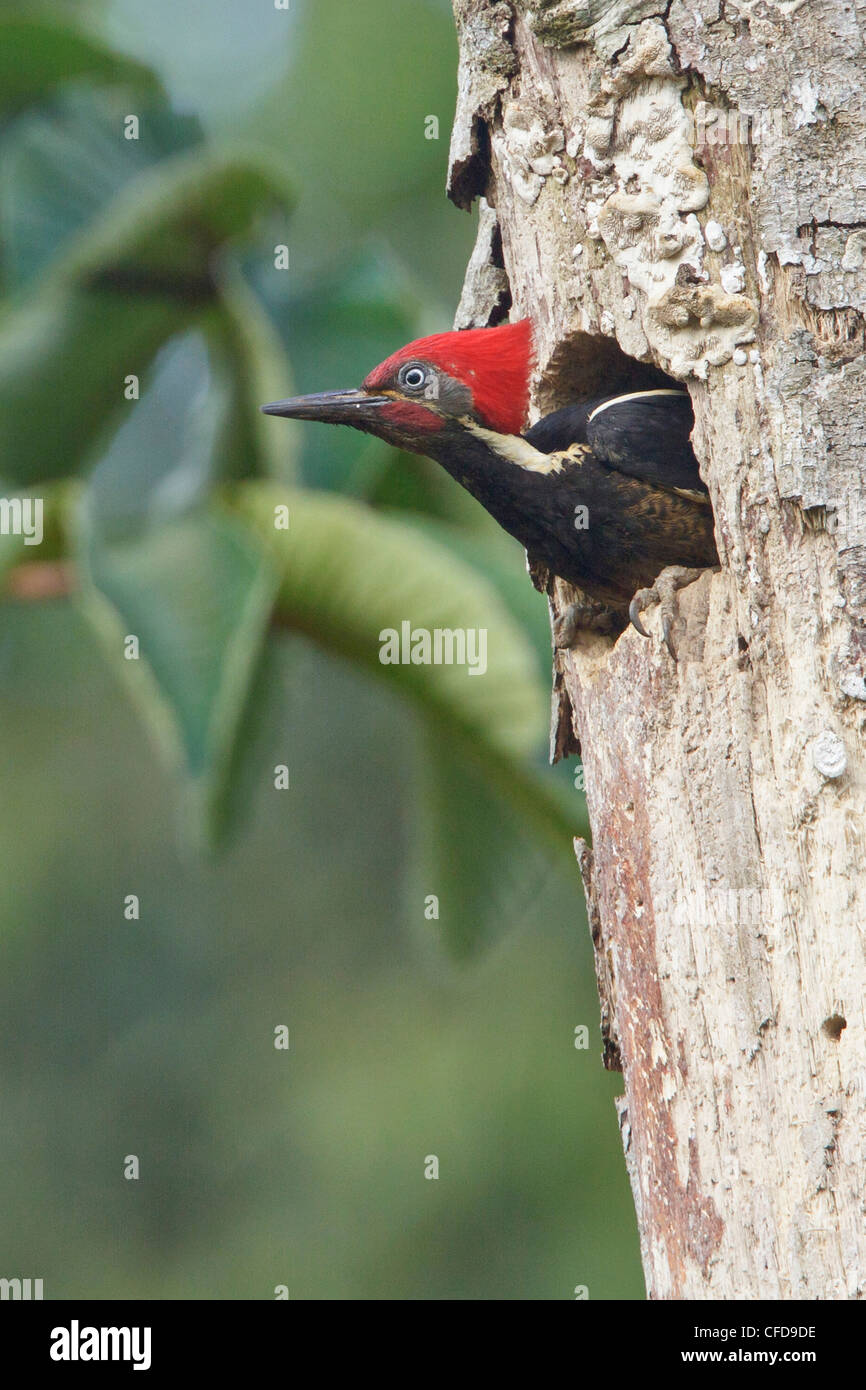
(492, 364)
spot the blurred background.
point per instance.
(204, 207)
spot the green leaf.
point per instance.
(164, 227)
(255, 369)
(63, 363)
(348, 574)
(502, 559)
(477, 846)
(197, 594)
(139, 276)
(195, 587)
(64, 162)
(161, 463)
(38, 54)
(196, 424)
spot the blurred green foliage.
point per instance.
(153, 258)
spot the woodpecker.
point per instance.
(604, 493)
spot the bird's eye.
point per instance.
(413, 377)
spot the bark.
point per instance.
(727, 792)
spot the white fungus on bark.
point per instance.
(828, 754)
(715, 236)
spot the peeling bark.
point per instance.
(680, 189)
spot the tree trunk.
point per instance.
(681, 188)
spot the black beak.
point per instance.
(356, 408)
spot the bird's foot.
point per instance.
(664, 593)
(589, 614)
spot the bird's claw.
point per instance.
(641, 600)
(664, 593)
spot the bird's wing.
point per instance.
(564, 427)
(644, 434)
